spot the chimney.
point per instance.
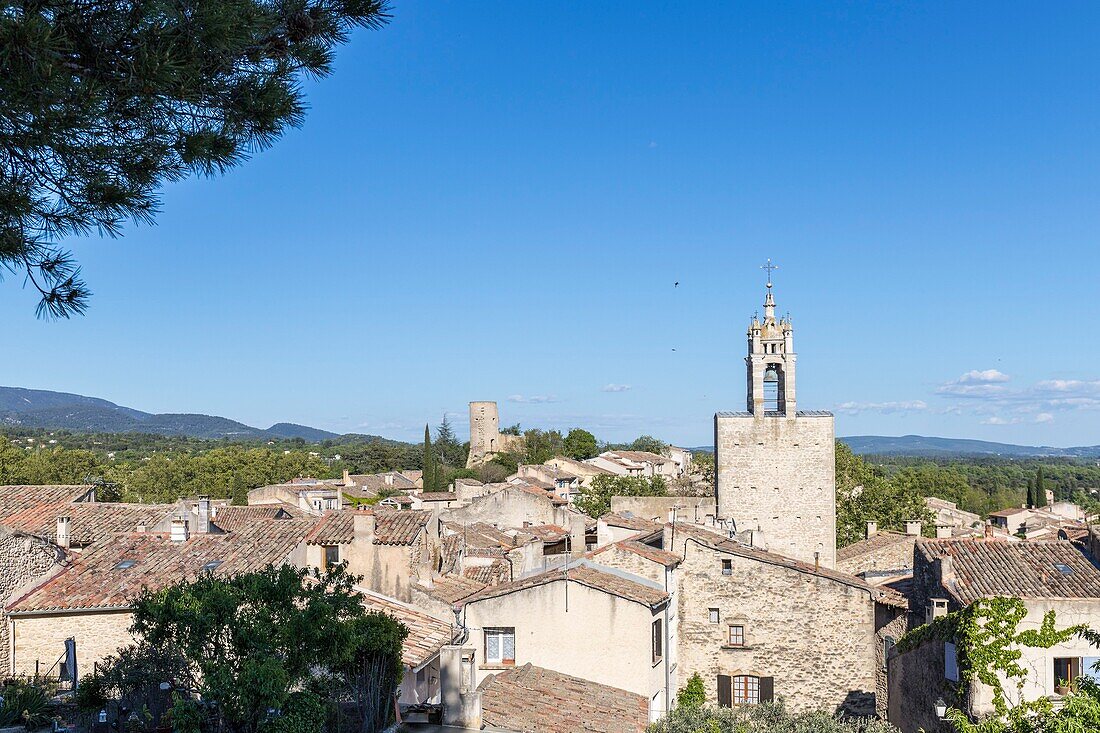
(364, 527)
(141, 526)
(389, 479)
(912, 527)
(64, 529)
(943, 531)
(179, 529)
(989, 530)
(458, 692)
(576, 536)
(347, 477)
(872, 529)
(204, 515)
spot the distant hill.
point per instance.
(932, 447)
(38, 408)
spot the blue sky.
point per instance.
(493, 201)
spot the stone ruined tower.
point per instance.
(774, 466)
(484, 432)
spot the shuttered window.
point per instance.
(725, 694)
(744, 690)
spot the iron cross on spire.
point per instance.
(769, 267)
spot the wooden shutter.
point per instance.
(725, 691)
(767, 689)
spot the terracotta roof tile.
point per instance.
(235, 518)
(878, 541)
(95, 580)
(591, 577)
(453, 588)
(531, 699)
(90, 521)
(649, 552)
(20, 497)
(985, 568)
(426, 633)
(627, 520)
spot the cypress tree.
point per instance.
(430, 465)
(1030, 494)
(1040, 488)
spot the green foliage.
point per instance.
(595, 500)
(580, 444)
(90, 695)
(507, 461)
(186, 715)
(1040, 488)
(304, 712)
(693, 694)
(542, 445)
(245, 642)
(433, 476)
(25, 704)
(864, 494)
(104, 103)
(451, 452)
(987, 643)
(765, 718)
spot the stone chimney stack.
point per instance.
(913, 527)
(179, 532)
(943, 531)
(872, 529)
(64, 530)
(364, 527)
(460, 697)
(347, 477)
(576, 536)
(203, 525)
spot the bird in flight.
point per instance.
(676, 284)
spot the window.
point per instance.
(727, 567)
(746, 690)
(737, 636)
(658, 641)
(332, 555)
(126, 565)
(212, 565)
(1067, 669)
(714, 615)
(500, 645)
(1063, 569)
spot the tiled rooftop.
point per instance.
(985, 568)
(626, 520)
(426, 633)
(95, 580)
(878, 541)
(649, 552)
(20, 497)
(591, 577)
(536, 700)
(453, 588)
(235, 518)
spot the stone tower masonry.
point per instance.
(774, 466)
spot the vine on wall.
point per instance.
(987, 642)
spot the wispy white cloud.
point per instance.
(998, 420)
(853, 408)
(1044, 417)
(616, 387)
(532, 399)
(976, 383)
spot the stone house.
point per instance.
(636, 463)
(951, 574)
(757, 625)
(615, 526)
(883, 552)
(311, 496)
(592, 622)
(25, 561)
(948, 514)
(564, 483)
(583, 470)
(88, 599)
(514, 506)
(367, 486)
(390, 548)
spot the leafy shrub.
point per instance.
(25, 704)
(766, 718)
(304, 712)
(91, 696)
(693, 695)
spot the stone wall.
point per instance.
(509, 508)
(25, 561)
(888, 556)
(916, 682)
(41, 639)
(778, 474)
(688, 508)
(614, 556)
(815, 636)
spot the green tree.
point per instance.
(595, 500)
(580, 444)
(1040, 488)
(1030, 493)
(430, 467)
(540, 446)
(693, 694)
(103, 103)
(864, 495)
(248, 640)
(648, 443)
(452, 453)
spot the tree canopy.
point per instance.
(104, 102)
(580, 444)
(595, 500)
